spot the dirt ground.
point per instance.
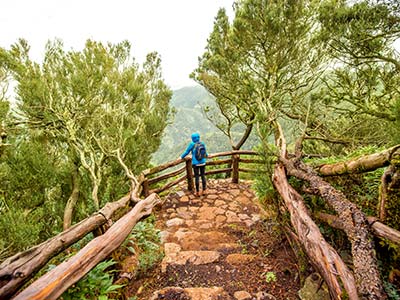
(252, 258)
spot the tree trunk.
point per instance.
(356, 227)
(378, 228)
(73, 199)
(362, 164)
(324, 258)
(18, 269)
(54, 283)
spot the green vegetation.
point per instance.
(147, 238)
(97, 284)
(84, 120)
(85, 123)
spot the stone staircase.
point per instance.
(221, 246)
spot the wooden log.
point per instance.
(218, 171)
(167, 175)
(235, 168)
(189, 175)
(378, 228)
(247, 170)
(251, 161)
(55, 282)
(219, 162)
(228, 153)
(355, 225)
(15, 271)
(162, 167)
(324, 258)
(362, 164)
(168, 185)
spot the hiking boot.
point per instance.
(197, 194)
(201, 193)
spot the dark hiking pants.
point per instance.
(200, 171)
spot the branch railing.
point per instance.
(152, 176)
(15, 271)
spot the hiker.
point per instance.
(199, 154)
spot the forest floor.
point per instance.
(221, 245)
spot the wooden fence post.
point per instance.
(235, 168)
(146, 189)
(189, 174)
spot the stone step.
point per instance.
(177, 293)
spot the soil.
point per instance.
(222, 243)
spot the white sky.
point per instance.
(176, 29)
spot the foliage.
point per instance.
(93, 112)
(32, 194)
(147, 238)
(97, 284)
(269, 276)
(360, 37)
(392, 292)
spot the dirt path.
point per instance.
(219, 246)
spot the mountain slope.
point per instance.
(189, 117)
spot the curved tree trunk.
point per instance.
(73, 199)
(356, 227)
(378, 228)
(362, 164)
(324, 258)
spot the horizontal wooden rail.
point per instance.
(247, 170)
(162, 167)
(251, 161)
(218, 171)
(15, 271)
(219, 162)
(232, 162)
(51, 285)
(168, 175)
(168, 185)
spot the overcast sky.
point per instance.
(176, 29)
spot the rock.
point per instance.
(242, 295)
(313, 289)
(171, 249)
(232, 217)
(185, 199)
(237, 258)
(175, 222)
(180, 193)
(214, 293)
(164, 235)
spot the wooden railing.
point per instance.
(152, 176)
(18, 269)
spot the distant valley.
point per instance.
(189, 117)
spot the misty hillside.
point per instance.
(189, 118)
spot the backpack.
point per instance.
(199, 151)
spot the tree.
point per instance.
(220, 70)
(364, 86)
(96, 106)
(277, 45)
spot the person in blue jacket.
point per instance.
(199, 166)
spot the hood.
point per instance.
(195, 137)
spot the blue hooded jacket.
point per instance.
(190, 148)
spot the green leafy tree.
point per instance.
(363, 87)
(97, 111)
